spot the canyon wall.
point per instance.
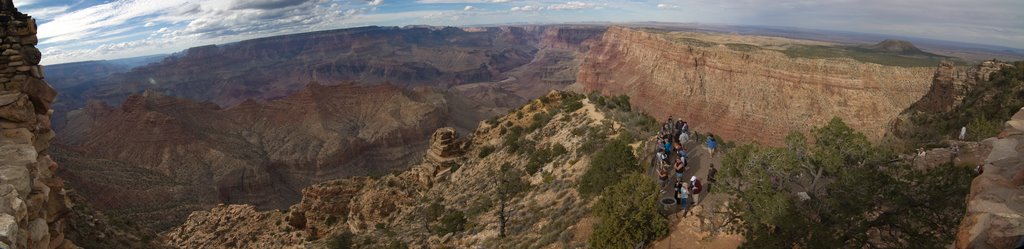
(747, 94)
(132, 161)
(994, 204)
(33, 203)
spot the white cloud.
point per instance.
(667, 6)
(376, 2)
(24, 3)
(573, 5)
(461, 1)
(468, 8)
(45, 13)
(525, 8)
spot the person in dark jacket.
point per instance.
(711, 178)
(695, 189)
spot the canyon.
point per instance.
(158, 141)
(289, 141)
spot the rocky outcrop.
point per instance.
(33, 203)
(756, 95)
(951, 84)
(444, 145)
(994, 204)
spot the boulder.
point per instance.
(18, 177)
(17, 107)
(9, 231)
(10, 203)
(31, 54)
(39, 234)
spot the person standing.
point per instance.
(683, 196)
(711, 178)
(680, 167)
(695, 189)
(712, 145)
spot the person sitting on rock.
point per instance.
(712, 145)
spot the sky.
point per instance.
(79, 30)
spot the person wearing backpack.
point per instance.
(695, 189)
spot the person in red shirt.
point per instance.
(695, 189)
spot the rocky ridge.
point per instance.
(994, 205)
(33, 202)
(747, 94)
(457, 175)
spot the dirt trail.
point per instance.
(685, 230)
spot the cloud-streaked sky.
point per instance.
(78, 30)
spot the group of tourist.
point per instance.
(672, 157)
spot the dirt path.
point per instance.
(685, 230)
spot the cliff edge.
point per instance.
(995, 203)
(33, 203)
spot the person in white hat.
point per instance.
(695, 189)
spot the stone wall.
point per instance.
(996, 200)
(33, 203)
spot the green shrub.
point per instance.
(340, 241)
(397, 244)
(627, 214)
(609, 165)
(331, 220)
(453, 222)
(982, 128)
(485, 151)
(543, 156)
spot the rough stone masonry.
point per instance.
(33, 202)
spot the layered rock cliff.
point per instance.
(746, 92)
(134, 160)
(994, 205)
(33, 203)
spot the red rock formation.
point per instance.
(747, 95)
